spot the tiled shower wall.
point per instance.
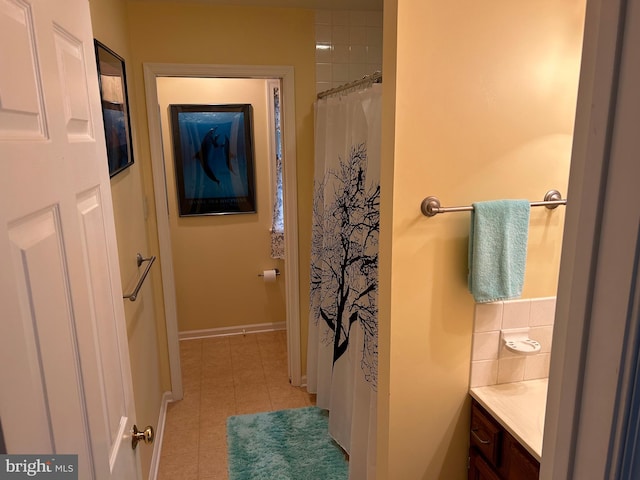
(491, 362)
(348, 46)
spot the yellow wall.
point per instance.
(217, 258)
(172, 32)
(479, 105)
(147, 342)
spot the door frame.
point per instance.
(595, 342)
(286, 74)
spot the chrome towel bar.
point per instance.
(430, 206)
(140, 260)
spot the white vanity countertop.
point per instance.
(519, 407)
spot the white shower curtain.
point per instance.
(342, 366)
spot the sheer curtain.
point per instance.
(277, 221)
(342, 366)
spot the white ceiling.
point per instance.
(313, 4)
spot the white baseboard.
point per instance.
(159, 434)
(228, 331)
(303, 381)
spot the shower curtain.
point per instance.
(342, 366)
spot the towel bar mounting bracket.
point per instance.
(430, 206)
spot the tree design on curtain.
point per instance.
(344, 253)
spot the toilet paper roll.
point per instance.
(269, 276)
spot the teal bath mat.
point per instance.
(284, 445)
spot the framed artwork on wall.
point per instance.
(213, 158)
(115, 108)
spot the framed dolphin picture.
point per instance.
(115, 108)
(213, 159)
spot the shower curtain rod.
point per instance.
(375, 77)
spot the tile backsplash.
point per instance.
(348, 46)
(491, 362)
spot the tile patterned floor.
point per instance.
(222, 377)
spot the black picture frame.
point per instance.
(213, 158)
(115, 108)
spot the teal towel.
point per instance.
(498, 249)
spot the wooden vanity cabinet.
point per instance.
(494, 454)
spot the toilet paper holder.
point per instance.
(277, 273)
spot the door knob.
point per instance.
(145, 436)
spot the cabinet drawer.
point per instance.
(479, 469)
(486, 435)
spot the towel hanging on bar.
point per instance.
(498, 249)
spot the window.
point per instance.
(277, 224)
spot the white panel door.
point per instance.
(65, 381)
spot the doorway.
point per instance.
(290, 269)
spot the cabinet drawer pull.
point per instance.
(483, 442)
